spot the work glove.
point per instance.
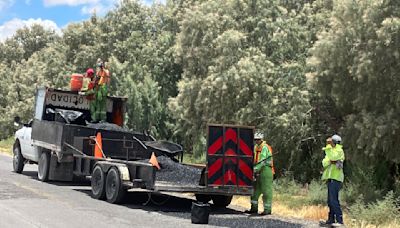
(339, 164)
(256, 175)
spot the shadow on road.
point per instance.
(162, 203)
(77, 181)
(140, 200)
(178, 207)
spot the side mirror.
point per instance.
(17, 121)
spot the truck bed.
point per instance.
(116, 144)
(185, 178)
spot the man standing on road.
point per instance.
(334, 176)
(263, 175)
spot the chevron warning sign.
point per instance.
(230, 155)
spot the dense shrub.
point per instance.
(381, 212)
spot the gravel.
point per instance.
(176, 172)
(107, 126)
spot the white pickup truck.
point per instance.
(47, 101)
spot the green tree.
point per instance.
(355, 64)
(244, 62)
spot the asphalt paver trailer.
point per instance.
(63, 142)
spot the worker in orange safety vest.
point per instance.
(263, 172)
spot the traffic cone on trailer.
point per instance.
(98, 147)
(154, 162)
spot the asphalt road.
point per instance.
(27, 202)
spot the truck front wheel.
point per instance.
(221, 200)
(18, 160)
(115, 192)
(44, 163)
(98, 181)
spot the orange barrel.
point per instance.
(76, 82)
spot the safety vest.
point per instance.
(258, 149)
(331, 171)
(104, 77)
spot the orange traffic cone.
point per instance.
(154, 162)
(98, 147)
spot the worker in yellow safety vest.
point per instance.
(333, 175)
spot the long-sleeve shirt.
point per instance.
(262, 153)
(332, 170)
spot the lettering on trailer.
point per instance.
(68, 100)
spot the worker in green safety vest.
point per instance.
(263, 176)
(96, 93)
(103, 76)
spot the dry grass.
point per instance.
(283, 206)
(6, 145)
(282, 209)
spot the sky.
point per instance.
(52, 14)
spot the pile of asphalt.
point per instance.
(177, 173)
(107, 126)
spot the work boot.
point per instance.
(326, 223)
(339, 219)
(265, 213)
(253, 210)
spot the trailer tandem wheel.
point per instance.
(98, 181)
(221, 200)
(115, 191)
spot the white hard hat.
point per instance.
(258, 135)
(336, 139)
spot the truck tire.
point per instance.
(115, 192)
(221, 200)
(44, 164)
(98, 183)
(202, 198)
(18, 159)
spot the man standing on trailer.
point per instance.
(90, 90)
(263, 172)
(103, 75)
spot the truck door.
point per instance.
(28, 150)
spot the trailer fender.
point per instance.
(122, 168)
(123, 172)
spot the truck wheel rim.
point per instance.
(113, 186)
(42, 167)
(16, 157)
(98, 181)
(112, 183)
